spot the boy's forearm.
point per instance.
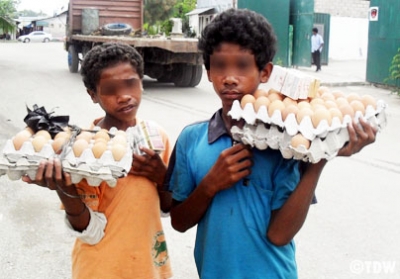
(288, 220)
(187, 214)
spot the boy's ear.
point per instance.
(92, 95)
(266, 72)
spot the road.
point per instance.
(352, 232)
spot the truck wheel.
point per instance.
(73, 59)
(182, 75)
(196, 75)
(113, 29)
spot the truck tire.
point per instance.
(115, 29)
(182, 75)
(73, 59)
(197, 73)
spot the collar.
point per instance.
(216, 127)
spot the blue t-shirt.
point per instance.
(231, 238)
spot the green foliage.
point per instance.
(157, 10)
(181, 8)
(7, 10)
(394, 72)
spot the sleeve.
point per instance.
(180, 181)
(94, 233)
(286, 178)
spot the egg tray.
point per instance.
(25, 161)
(262, 131)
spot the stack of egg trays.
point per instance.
(262, 131)
(97, 170)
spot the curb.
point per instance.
(345, 83)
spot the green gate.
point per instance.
(301, 17)
(383, 40)
(323, 22)
(277, 13)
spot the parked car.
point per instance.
(36, 36)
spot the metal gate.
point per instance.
(323, 22)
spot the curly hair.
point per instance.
(107, 55)
(246, 28)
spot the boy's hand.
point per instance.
(233, 164)
(50, 174)
(149, 165)
(360, 136)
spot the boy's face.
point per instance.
(119, 92)
(234, 73)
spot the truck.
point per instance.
(173, 59)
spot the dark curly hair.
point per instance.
(107, 55)
(246, 28)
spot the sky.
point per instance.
(47, 6)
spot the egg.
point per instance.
(118, 151)
(289, 101)
(274, 95)
(347, 110)
(261, 101)
(319, 115)
(29, 130)
(299, 140)
(85, 135)
(357, 106)
(330, 104)
(341, 101)
(38, 142)
(368, 100)
(322, 89)
(246, 99)
(79, 145)
(317, 106)
(303, 104)
(353, 96)
(120, 133)
(119, 139)
(43, 133)
(315, 101)
(260, 92)
(58, 143)
(20, 138)
(102, 134)
(98, 149)
(303, 113)
(327, 96)
(275, 105)
(335, 112)
(337, 94)
(62, 135)
(288, 110)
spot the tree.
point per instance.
(157, 10)
(181, 8)
(7, 9)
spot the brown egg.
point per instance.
(79, 145)
(330, 104)
(57, 144)
(352, 97)
(289, 101)
(118, 151)
(288, 110)
(322, 89)
(261, 101)
(327, 96)
(341, 101)
(119, 139)
(20, 138)
(85, 135)
(102, 134)
(247, 99)
(319, 115)
(275, 105)
(347, 110)
(357, 106)
(99, 148)
(29, 130)
(260, 92)
(335, 112)
(62, 135)
(300, 140)
(317, 106)
(43, 133)
(315, 101)
(338, 94)
(38, 142)
(368, 100)
(274, 95)
(303, 113)
(304, 104)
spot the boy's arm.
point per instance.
(234, 163)
(287, 221)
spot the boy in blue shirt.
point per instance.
(248, 204)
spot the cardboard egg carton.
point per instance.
(262, 131)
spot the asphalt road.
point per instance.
(353, 231)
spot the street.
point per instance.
(352, 232)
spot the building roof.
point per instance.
(200, 11)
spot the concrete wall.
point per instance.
(56, 26)
(343, 8)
